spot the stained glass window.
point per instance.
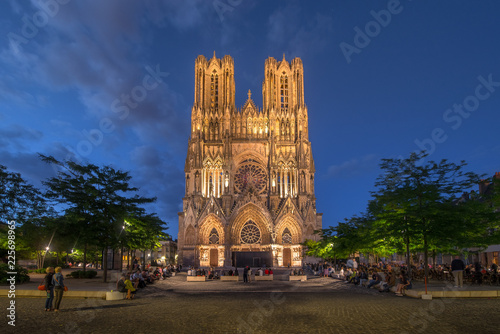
(250, 233)
(286, 236)
(250, 174)
(214, 237)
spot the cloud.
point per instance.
(16, 136)
(353, 167)
(290, 29)
(30, 166)
(182, 15)
(157, 174)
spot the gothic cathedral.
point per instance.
(249, 172)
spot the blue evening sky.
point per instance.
(426, 72)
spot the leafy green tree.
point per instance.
(19, 200)
(417, 200)
(23, 203)
(97, 200)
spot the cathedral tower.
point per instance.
(249, 172)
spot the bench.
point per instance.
(229, 278)
(301, 278)
(196, 278)
(264, 278)
(115, 295)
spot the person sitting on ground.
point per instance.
(120, 284)
(270, 271)
(348, 274)
(230, 272)
(390, 281)
(266, 272)
(142, 283)
(351, 279)
(376, 279)
(261, 272)
(403, 283)
(147, 278)
(363, 277)
(125, 285)
(134, 278)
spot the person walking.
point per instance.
(49, 288)
(59, 288)
(457, 268)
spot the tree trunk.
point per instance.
(426, 254)
(128, 258)
(39, 260)
(85, 257)
(408, 259)
(105, 264)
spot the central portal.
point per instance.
(214, 258)
(252, 259)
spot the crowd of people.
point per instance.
(132, 281)
(211, 273)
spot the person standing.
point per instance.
(49, 288)
(245, 275)
(58, 282)
(457, 268)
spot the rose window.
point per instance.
(250, 174)
(250, 233)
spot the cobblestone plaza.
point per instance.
(315, 306)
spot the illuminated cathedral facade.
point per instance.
(249, 172)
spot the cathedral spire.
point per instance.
(249, 94)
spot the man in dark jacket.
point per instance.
(245, 275)
(457, 268)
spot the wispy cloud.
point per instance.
(353, 167)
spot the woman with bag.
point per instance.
(59, 288)
(49, 288)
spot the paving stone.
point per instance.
(315, 306)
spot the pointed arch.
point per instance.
(190, 235)
(207, 227)
(251, 212)
(288, 222)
